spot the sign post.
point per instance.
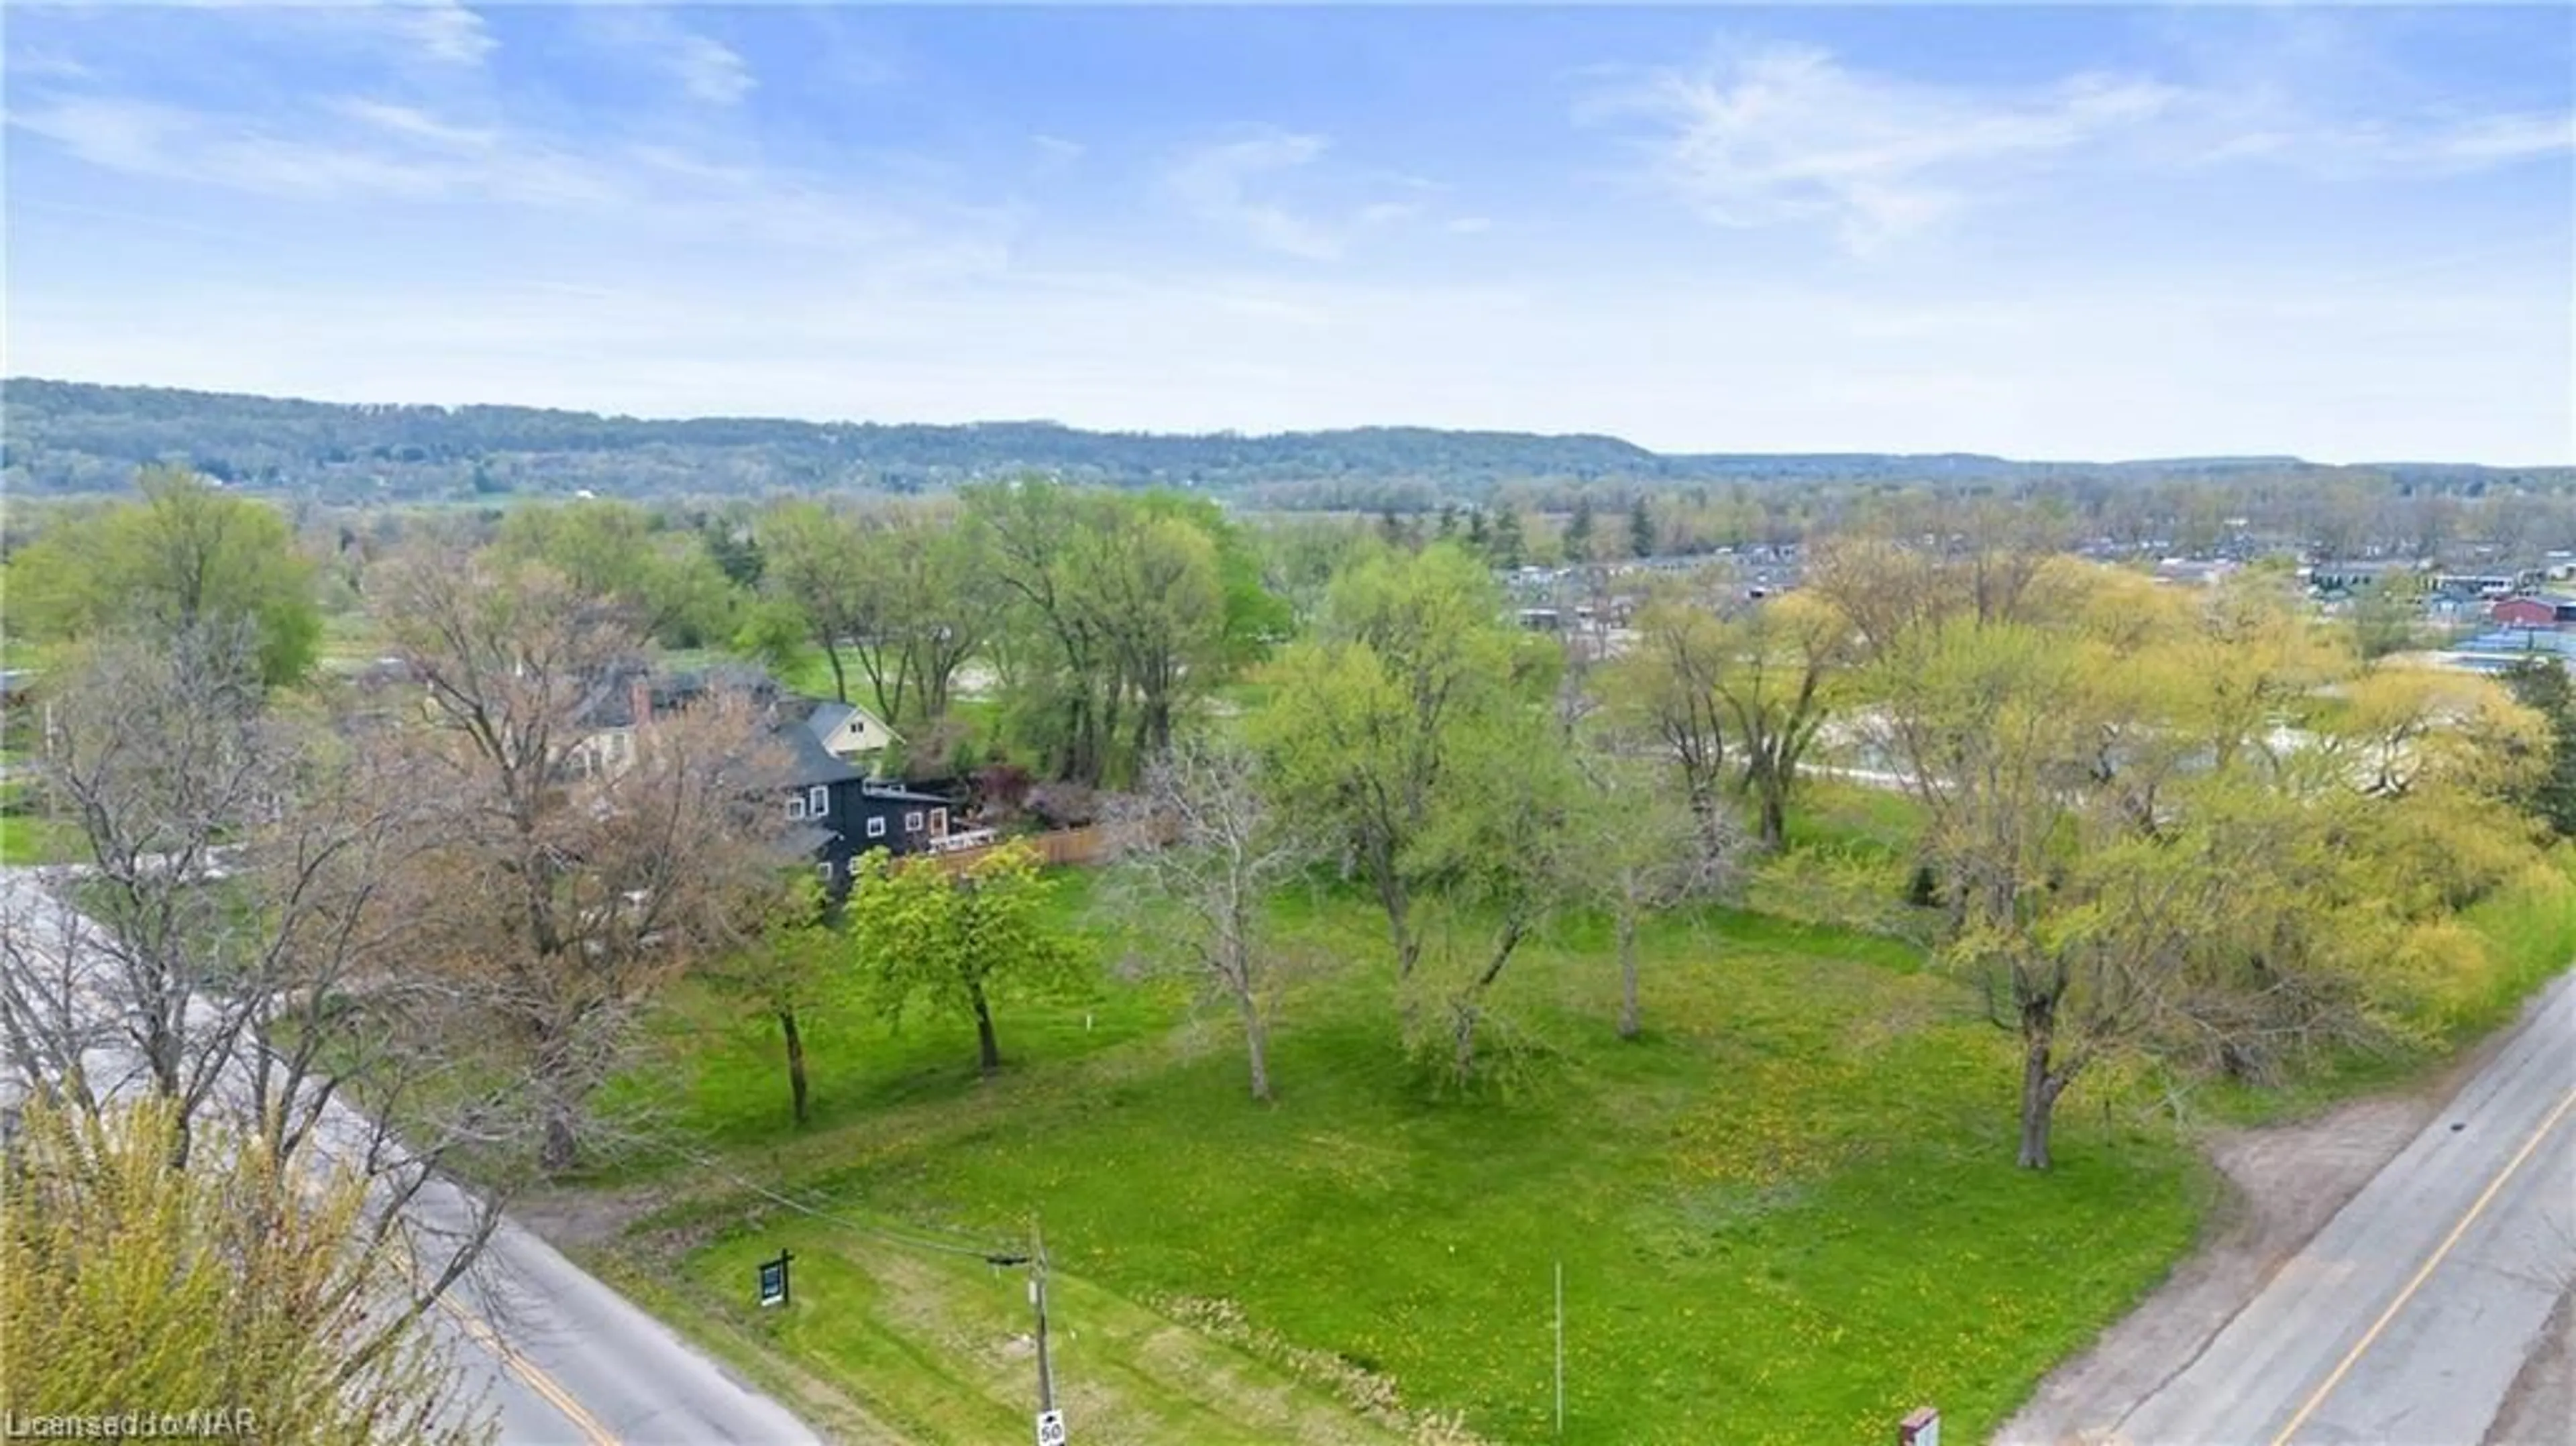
(1922, 1428)
(773, 1280)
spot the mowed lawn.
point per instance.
(1787, 1214)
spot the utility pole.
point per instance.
(1050, 1420)
(1037, 1300)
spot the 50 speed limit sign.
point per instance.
(1051, 1428)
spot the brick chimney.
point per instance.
(640, 698)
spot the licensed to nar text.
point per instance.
(201, 1425)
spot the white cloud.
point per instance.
(706, 70)
(25, 65)
(711, 71)
(1271, 188)
(2425, 146)
(1216, 182)
(442, 33)
(422, 159)
(443, 30)
(413, 123)
(1057, 148)
(1777, 133)
(1771, 134)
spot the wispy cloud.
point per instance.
(443, 30)
(419, 157)
(706, 69)
(1057, 148)
(1765, 134)
(2441, 145)
(415, 124)
(1770, 134)
(434, 32)
(1251, 186)
(26, 65)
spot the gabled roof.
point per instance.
(808, 762)
(897, 793)
(828, 718)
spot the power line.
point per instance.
(958, 1246)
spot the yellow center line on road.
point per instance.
(527, 1370)
(2494, 1187)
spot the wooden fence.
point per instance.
(1060, 848)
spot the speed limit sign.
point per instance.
(1051, 1428)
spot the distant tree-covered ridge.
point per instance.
(67, 437)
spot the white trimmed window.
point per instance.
(818, 800)
(825, 869)
(795, 805)
(876, 827)
(939, 822)
(912, 821)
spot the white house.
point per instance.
(849, 732)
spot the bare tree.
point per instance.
(1205, 850)
(1638, 850)
(592, 890)
(234, 948)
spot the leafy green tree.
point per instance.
(2541, 685)
(1578, 530)
(666, 579)
(948, 938)
(187, 555)
(815, 566)
(128, 1284)
(1641, 527)
(1662, 693)
(2385, 616)
(1128, 609)
(1505, 544)
(1785, 661)
(2137, 867)
(1414, 726)
(792, 965)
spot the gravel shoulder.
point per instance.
(2282, 1182)
(2542, 1409)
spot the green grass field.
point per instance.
(1787, 1214)
(28, 835)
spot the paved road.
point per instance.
(2404, 1321)
(568, 1361)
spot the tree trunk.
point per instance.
(795, 1060)
(840, 677)
(1464, 1060)
(988, 1050)
(1256, 1046)
(561, 1147)
(1629, 1021)
(1775, 813)
(2039, 1090)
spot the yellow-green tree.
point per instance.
(1414, 727)
(949, 939)
(2179, 827)
(1784, 664)
(185, 558)
(127, 1284)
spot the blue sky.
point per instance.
(2064, 232)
